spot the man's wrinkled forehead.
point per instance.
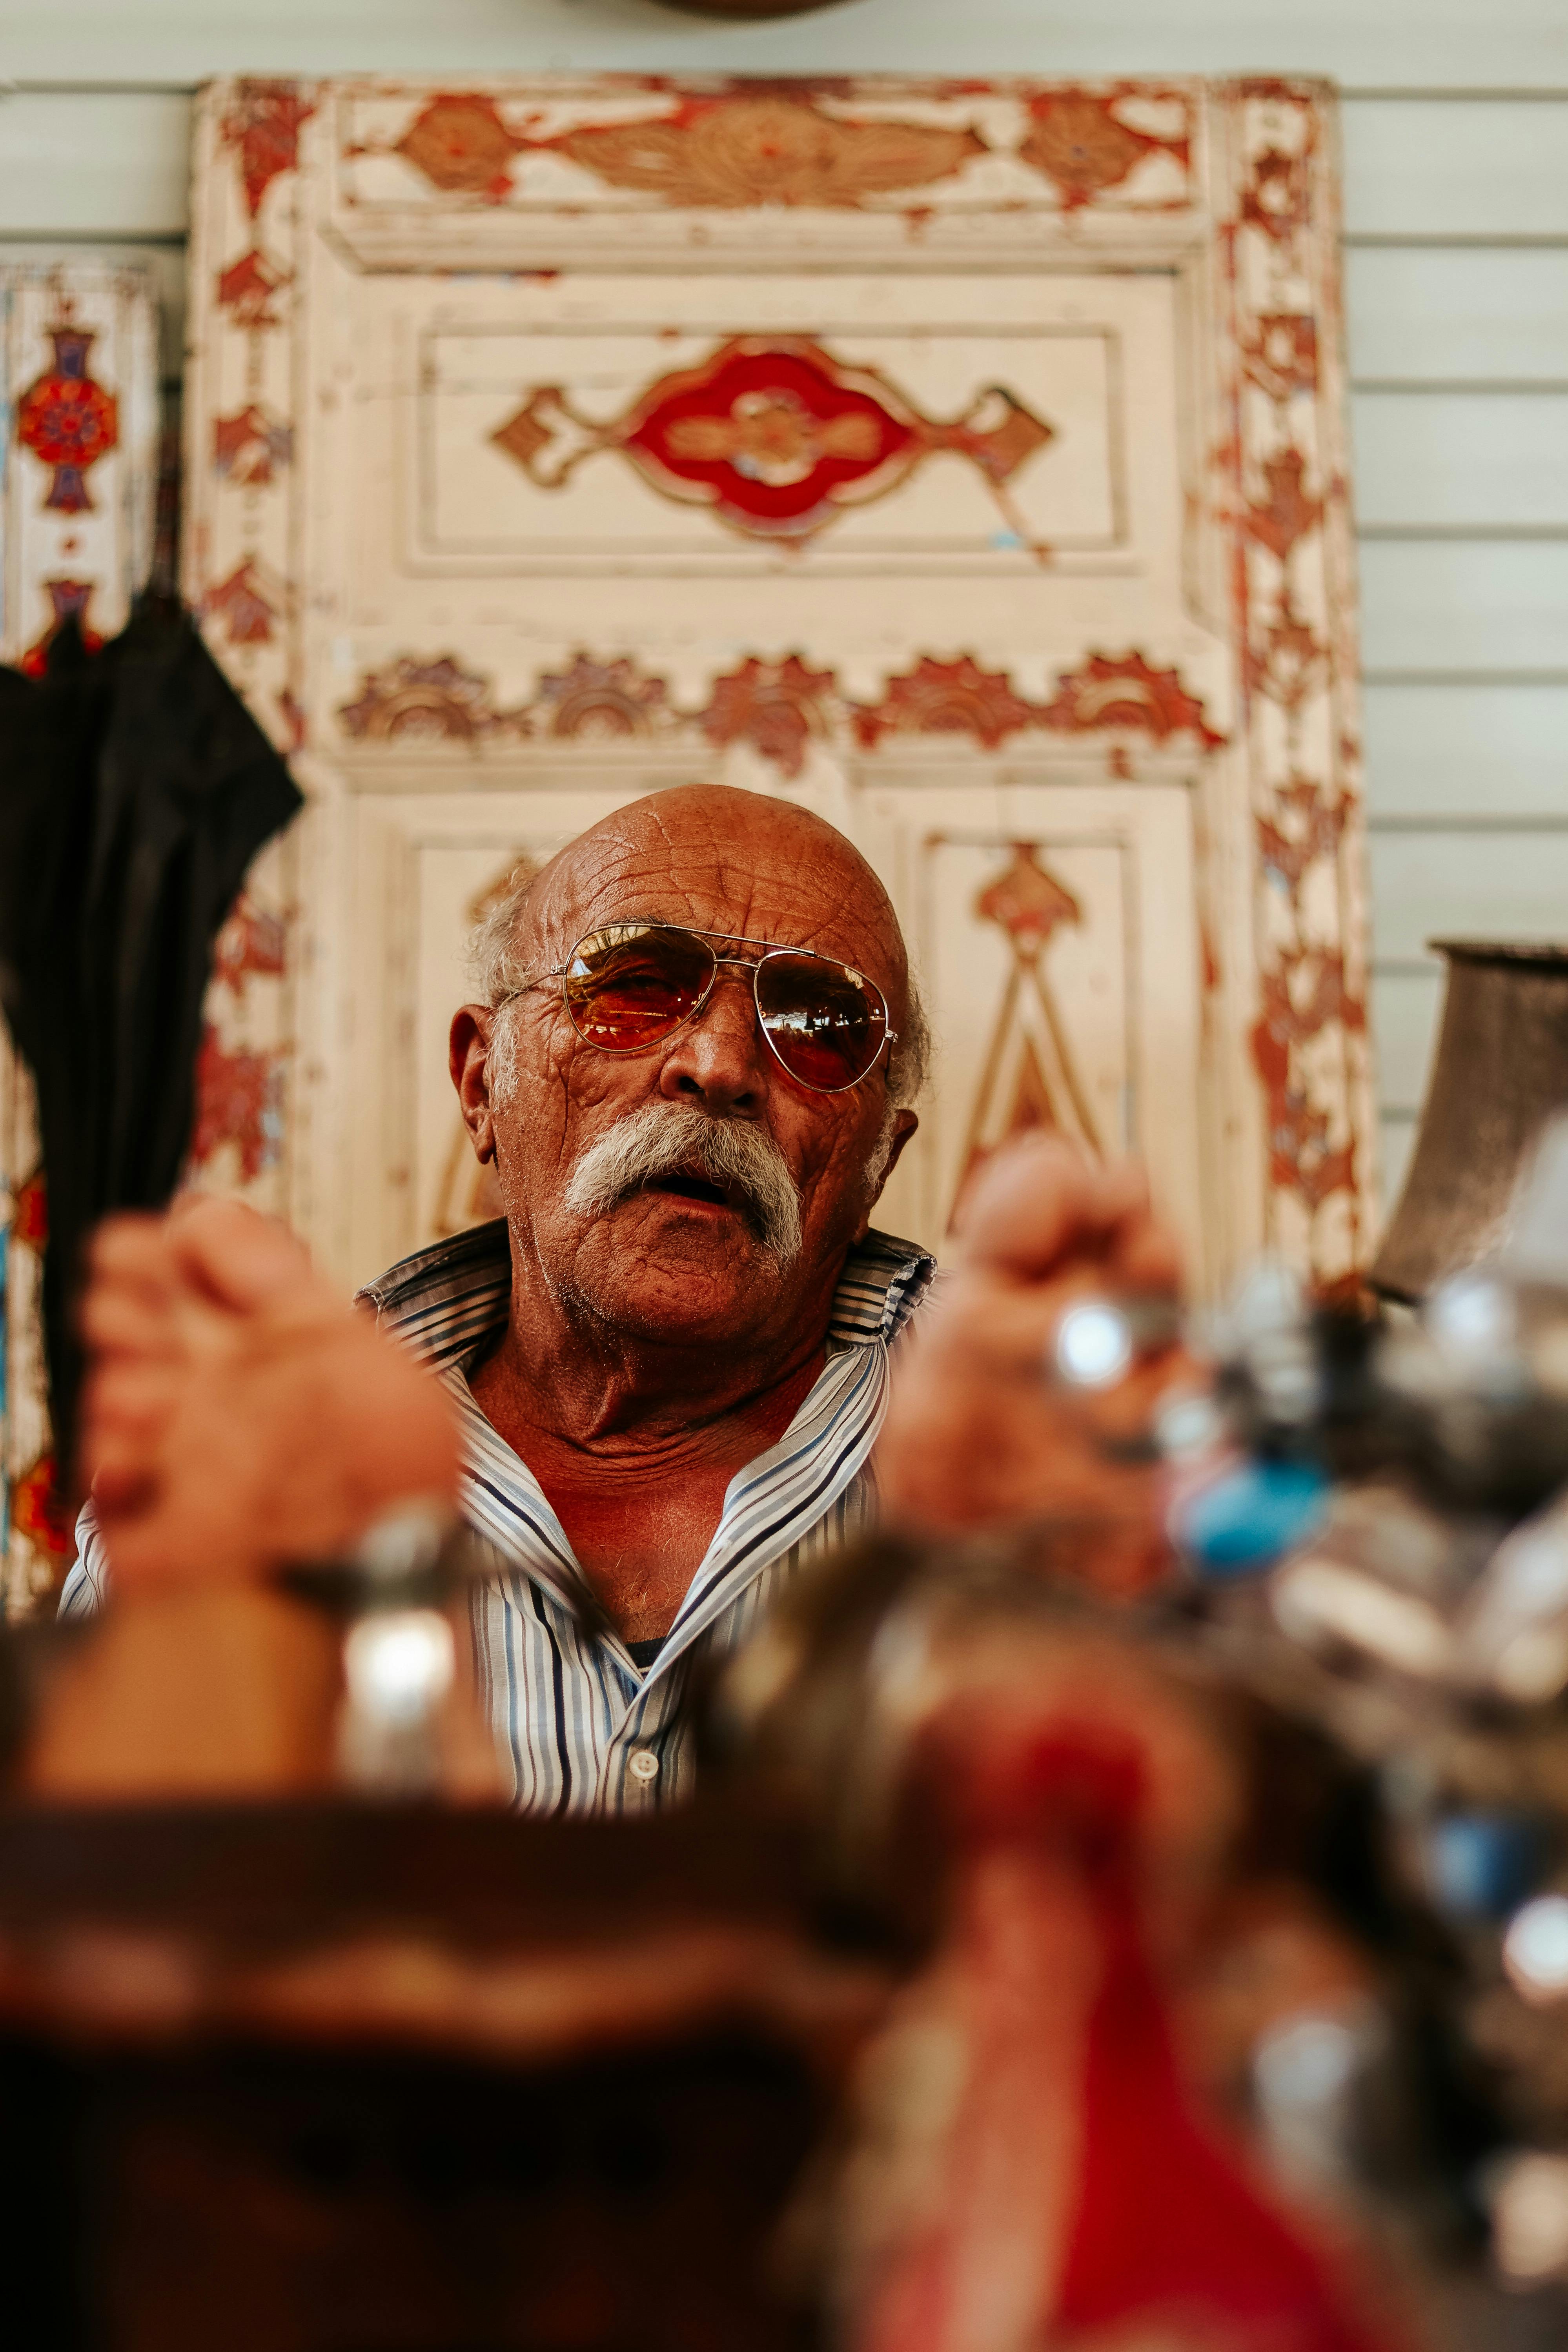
(822, 896)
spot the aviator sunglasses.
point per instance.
(629, 987)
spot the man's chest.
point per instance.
(639, 1541)
(640, 1508)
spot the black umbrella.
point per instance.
(135, 788)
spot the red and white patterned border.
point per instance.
(241, 575)
(778, 708)
(1282, 484)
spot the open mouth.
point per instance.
(689, 1186)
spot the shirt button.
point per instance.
(644, 1764)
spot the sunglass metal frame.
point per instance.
(771, 948)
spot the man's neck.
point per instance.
(662, 1404)
(635, 1444)
(561, 1367)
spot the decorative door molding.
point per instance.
(78, 394)
(966, 460)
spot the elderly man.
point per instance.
(692, 1070)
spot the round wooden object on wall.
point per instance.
(747, 8)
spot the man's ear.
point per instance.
(467, 1055)
(904, 1125)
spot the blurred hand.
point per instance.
(239, 1413)
(977, 1436)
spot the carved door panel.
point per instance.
(1055, 924)
(966, 463)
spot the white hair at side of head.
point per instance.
(497, 969)
(909, 1062)
(495, 964)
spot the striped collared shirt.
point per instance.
(582, 1728)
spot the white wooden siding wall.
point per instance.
(1457, 278)
(1456, 274)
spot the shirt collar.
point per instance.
(445, 1301)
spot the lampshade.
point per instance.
(1500, 1073)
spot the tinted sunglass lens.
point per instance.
(631, 986)
(825, 1026)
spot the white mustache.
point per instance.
(654, 1142)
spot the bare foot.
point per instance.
(239, 1413)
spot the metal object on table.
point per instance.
(399, 1657)
(1500, 1073)
(1097, 1341)
(394, 1592)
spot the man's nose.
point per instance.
(719, 1059)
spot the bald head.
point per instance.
(719, 859)
(689, 1191)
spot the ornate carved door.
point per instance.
(963, 460)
